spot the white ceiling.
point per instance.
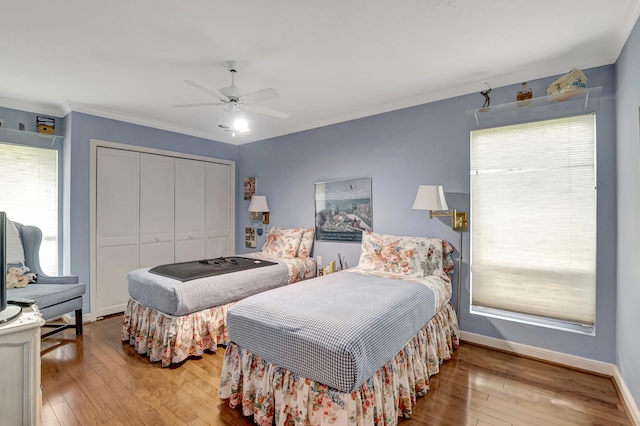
(330, 60)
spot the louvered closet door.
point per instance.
(189, 210)
(117, 232)
(218, 210)
(157, 214)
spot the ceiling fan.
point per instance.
(232, 118)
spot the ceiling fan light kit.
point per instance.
(232, 118)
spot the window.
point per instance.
(29, 194)
(533, 236)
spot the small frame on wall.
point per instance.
(343, 209)
(250, 237)
(249, 187)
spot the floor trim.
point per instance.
(626, 396)
(573, 361)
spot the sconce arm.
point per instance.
(458, 219)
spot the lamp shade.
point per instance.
(258, 204)
(430, 197)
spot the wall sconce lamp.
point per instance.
(259, 210)
(431, 197)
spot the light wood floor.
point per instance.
(98, 380)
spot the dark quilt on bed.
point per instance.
(186, 271)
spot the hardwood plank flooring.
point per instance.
(96, 379)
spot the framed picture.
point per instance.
(249, 187)
(250, 237)
(343, 209)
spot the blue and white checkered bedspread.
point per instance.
(338, 329)
(177, 298)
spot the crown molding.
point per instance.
(141, 121)
(51, 110)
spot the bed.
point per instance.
(355, 347)
(169, 320)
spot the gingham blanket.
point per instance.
(177, 298)
(338, 329)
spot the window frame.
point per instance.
(564, 325)
(48, 142)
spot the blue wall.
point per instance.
(628, 306)
(429, 144)
(426, 144)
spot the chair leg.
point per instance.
(79, 322)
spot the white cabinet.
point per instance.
(189, 207)
(154, 209)
(21, 401)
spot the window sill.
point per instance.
(588, 330)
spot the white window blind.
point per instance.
(29, 194)
(533, 235)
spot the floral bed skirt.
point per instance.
(273, 393)
(173, 339)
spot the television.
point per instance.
(7, 312)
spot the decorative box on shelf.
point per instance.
(45, 125)
(541, 108)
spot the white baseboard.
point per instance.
(542, 354)
(573, 361)
(626, 395)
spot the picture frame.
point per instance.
(249, 187)
(250, 237)
(343, 209)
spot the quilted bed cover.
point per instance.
(172, 338)
(338, 329)
(173, 297)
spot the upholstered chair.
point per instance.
(55, 296)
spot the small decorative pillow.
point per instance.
(391, 254)
(439, 257)
(306, 244)
(15, 251)
(282, 242)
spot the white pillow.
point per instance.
(15, 251)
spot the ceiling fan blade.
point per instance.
(267, 111)
(206, 89)
(197, 105)
(261, 95)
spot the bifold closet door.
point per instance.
(156, 210)
(117, 231)
(218, 210)
(189, 210)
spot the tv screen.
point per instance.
(7, 312)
